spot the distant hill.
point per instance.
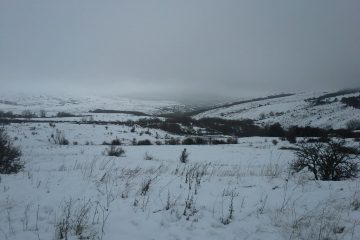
(304, 109)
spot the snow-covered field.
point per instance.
(239, 191)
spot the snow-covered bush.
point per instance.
(10, 161)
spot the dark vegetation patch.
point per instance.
(323, 99)
(213, 126)
(65, 114)
(351, 101)
(10, 161)
(135, 113)
(144, 142)
(27, 114)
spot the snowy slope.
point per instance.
(290, 110)
(81, 104)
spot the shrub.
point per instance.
(327, 161)
(115, 151)
(201, 141)
(42, 114)
(218, 141)
(28, 114)
(144, 142)
(148, 156)
(320, 139)
(65, 114)
(188, 141)
(6, 114)
(184, 157)
(232, 140)
(59, 138)
(75, 220)
(291, 135)
(173, 141)
(353, 124)
(275, 130)
(352, 101)
(9, 155)
(116, 142)
(171, 128)
(274, 142)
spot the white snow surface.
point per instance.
(183, 201)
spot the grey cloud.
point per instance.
(180, 48)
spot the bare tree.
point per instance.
(327, 161)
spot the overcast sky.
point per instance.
(179, 48)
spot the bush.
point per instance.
(352, 101)
(173, 141)
(65, 114)
(6, 114)
(353, 124)
(327, 161)
(232, 140)
(28, 114)
(275, 130)
(42, 114)
(291, 135)
(116, 142)
(201, 141)
(148, 156)
(75, 220)
(218, 141)
(184, 157)
(115, 151)
(144, 142)
(9, 155)
(188, 141)
(59, 138)
(320, 139)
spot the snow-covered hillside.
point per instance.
(290, 110)
(82, 104)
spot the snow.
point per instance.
(289, 111)
(76, 104)
(268, 201)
